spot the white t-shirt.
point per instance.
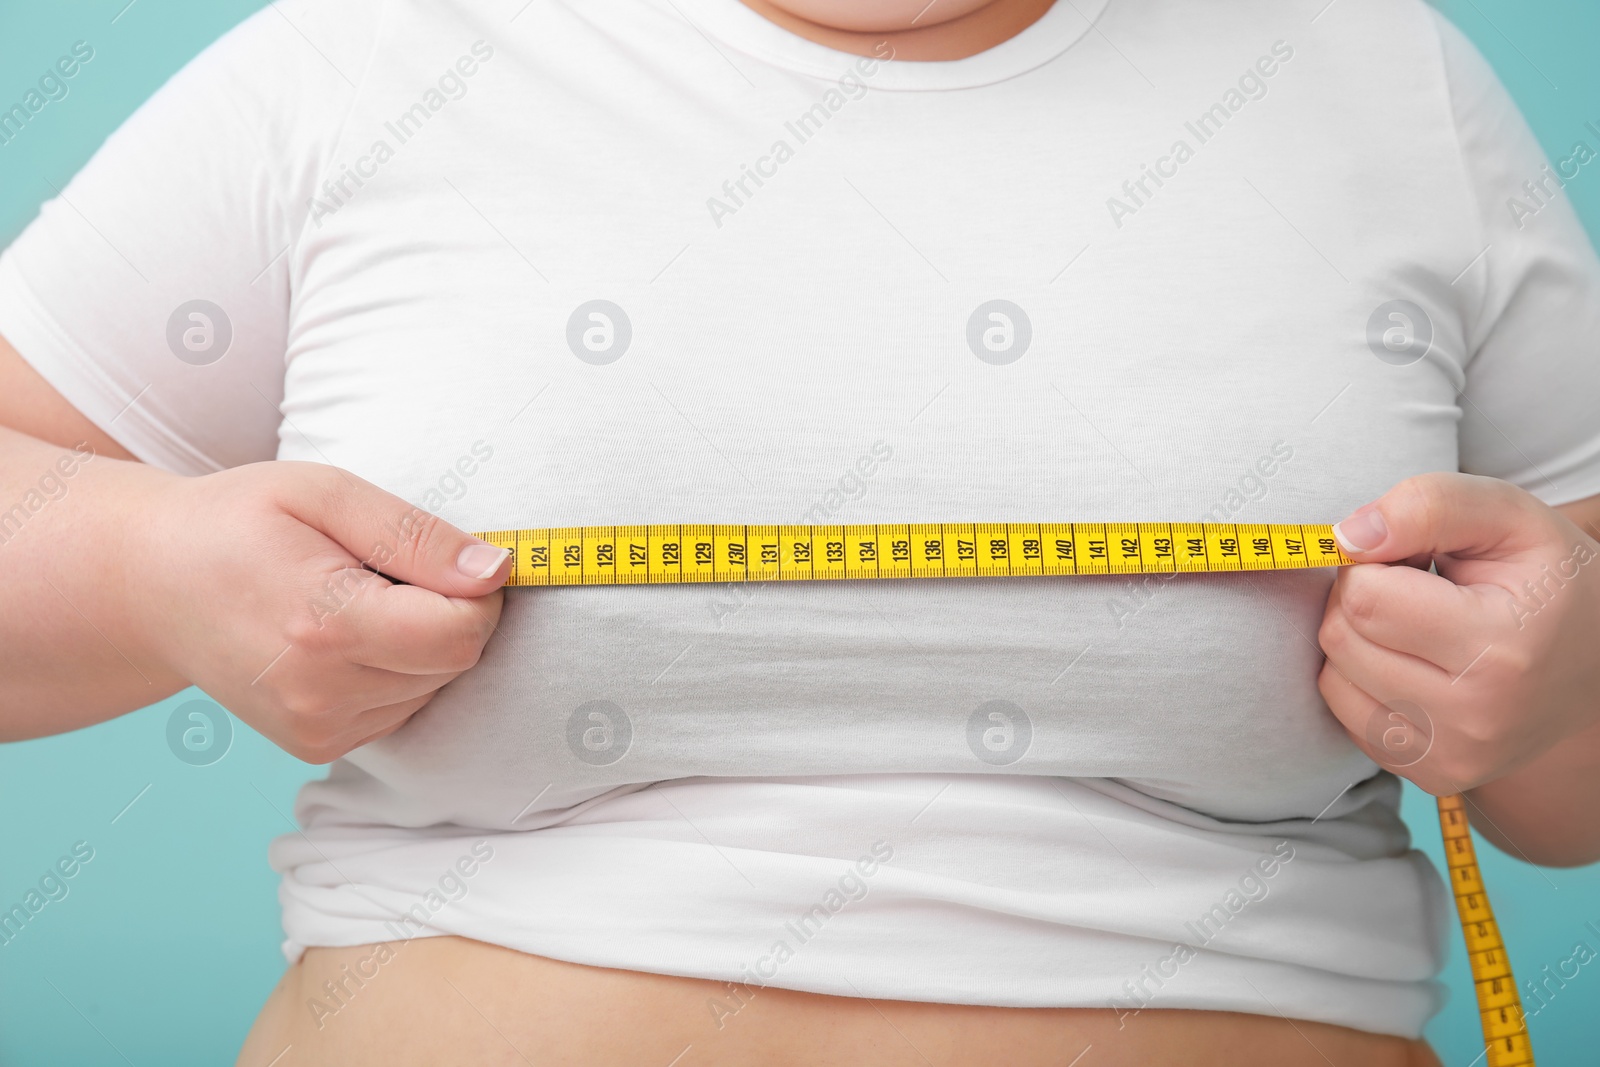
(1181, 261)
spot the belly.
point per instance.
(451, 1000)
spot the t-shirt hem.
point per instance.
(1396, 1009)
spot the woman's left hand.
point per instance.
(1458, 678)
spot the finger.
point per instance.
(1413, 612)
(363, 730)
(410, 630)
(1381, 671)
(324, 694)
(381, 722)
(372, 688)
(1449, 515)
(381, 734)
(397, 538)
(1397, 736)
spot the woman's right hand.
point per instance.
(250, 584)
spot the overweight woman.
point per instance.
(370, 275)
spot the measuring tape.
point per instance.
(1505, 1031)
(661, 554)
(675, 554)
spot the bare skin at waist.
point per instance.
(452, 1000)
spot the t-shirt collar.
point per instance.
(735, 26)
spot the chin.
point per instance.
(878, 16)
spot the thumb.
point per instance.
(390, 535)
(1457, 516)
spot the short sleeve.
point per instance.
(1530, 410)
(153, 291)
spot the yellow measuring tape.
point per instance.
(650, 555)
(673, 554)
(1505, 1031)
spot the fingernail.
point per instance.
(479, 561)
(1361, 532)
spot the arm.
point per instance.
(121, 585)
(67, 654)
(121, 582)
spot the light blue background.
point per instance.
(167, 943)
